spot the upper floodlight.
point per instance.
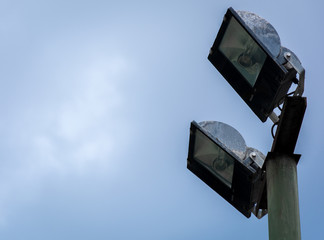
(248, 53)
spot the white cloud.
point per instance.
(72, 138)
(80, 128)
(91, 102)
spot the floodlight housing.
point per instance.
(248, 53)
(219, 157)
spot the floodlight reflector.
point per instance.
(214, 158)
(242, 51)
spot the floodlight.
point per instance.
(248, 53)
(218, 156)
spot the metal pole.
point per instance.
(281, 168)
(282, 191)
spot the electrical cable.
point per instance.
(273, 135)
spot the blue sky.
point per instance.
(96, 101)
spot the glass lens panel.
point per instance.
(243, 52)
(214, 158)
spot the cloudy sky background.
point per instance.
(96, 101)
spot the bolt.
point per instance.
(288, 54)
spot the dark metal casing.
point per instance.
(248, 178)
(272, 83)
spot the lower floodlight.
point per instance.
(219, 156)
(248, 53)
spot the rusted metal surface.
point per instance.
(282, 191)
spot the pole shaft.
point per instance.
(282, 191)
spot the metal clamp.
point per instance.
(257, 159)
(293, 62)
